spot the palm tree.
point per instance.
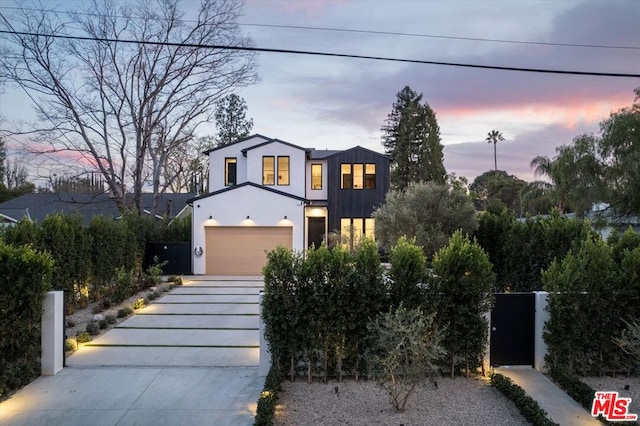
(494, 137)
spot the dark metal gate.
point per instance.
(177, 256)
(513, 329)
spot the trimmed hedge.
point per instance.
(268, 398)
(25, 277)
(528, 407)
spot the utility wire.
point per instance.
(327, 54)
(361, 31)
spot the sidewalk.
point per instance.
(190, 358)
(558, 405)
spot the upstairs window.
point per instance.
(316, 176)
(346, 177)
(268, 170)
(370, 176)
(358, 176)
(283, 170)
(230, 171)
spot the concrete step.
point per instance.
(199, 309)
(171, 337)
(210, 298)
(215, 290)
(191, 321)
(98, 356)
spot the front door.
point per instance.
(315, 231)
(512, 329)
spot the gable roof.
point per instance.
(255, 135)
(241, 185)
(37, 206)
(321, 154)
(358, 147)
(270, 141)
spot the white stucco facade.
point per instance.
(231, 207)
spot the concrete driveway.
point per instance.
(190, 358)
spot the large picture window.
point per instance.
(316, 176)
(354, 229)
(346, 176)
(268, 170)
(230, 171)
(283, 170)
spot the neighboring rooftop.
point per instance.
(37, 206)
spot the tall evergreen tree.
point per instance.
(231, 120)
(411, 137)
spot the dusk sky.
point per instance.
(337, 103)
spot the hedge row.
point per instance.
(594, 293)
(25, 277)
(527, 406)
(87, 258)
(317, 307)
(520, 250)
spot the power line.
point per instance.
(327, 54)
(374, 32)
(491, 40)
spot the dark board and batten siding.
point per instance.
(355, 202)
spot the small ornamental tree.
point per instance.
(407, 274)
(405, 347)
(461, 288)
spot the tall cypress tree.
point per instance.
(231, 120)
(411, 137)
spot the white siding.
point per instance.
(316, 194)
(216, 162)
(231, 208)
(297, 158)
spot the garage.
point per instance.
(241, 250)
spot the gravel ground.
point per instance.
(619, 383)
(459, 401)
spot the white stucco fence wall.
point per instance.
(52, 333)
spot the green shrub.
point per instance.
(111, 319)
(407, 274)
(462, 290)
(525, 404)
(139, 304)
(93, 328)
(124, 312)
(83, 337)
(25, 277)
(103, 324)
(268, 398)
(576, 389)
(70, 345)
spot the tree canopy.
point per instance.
(122, 108)
(231, 120)
(495, 190)
(430, 212)
(411, 137)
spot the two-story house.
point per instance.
(266, 192)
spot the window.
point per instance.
(316, 176)
(353, 230)
(345, 172)
(283, 170)
(268, 171)
(370, 228)
(370, 176)
(230, 173)
(358, 176)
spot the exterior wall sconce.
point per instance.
(210, 217)
(248, 217)
(285, 216)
